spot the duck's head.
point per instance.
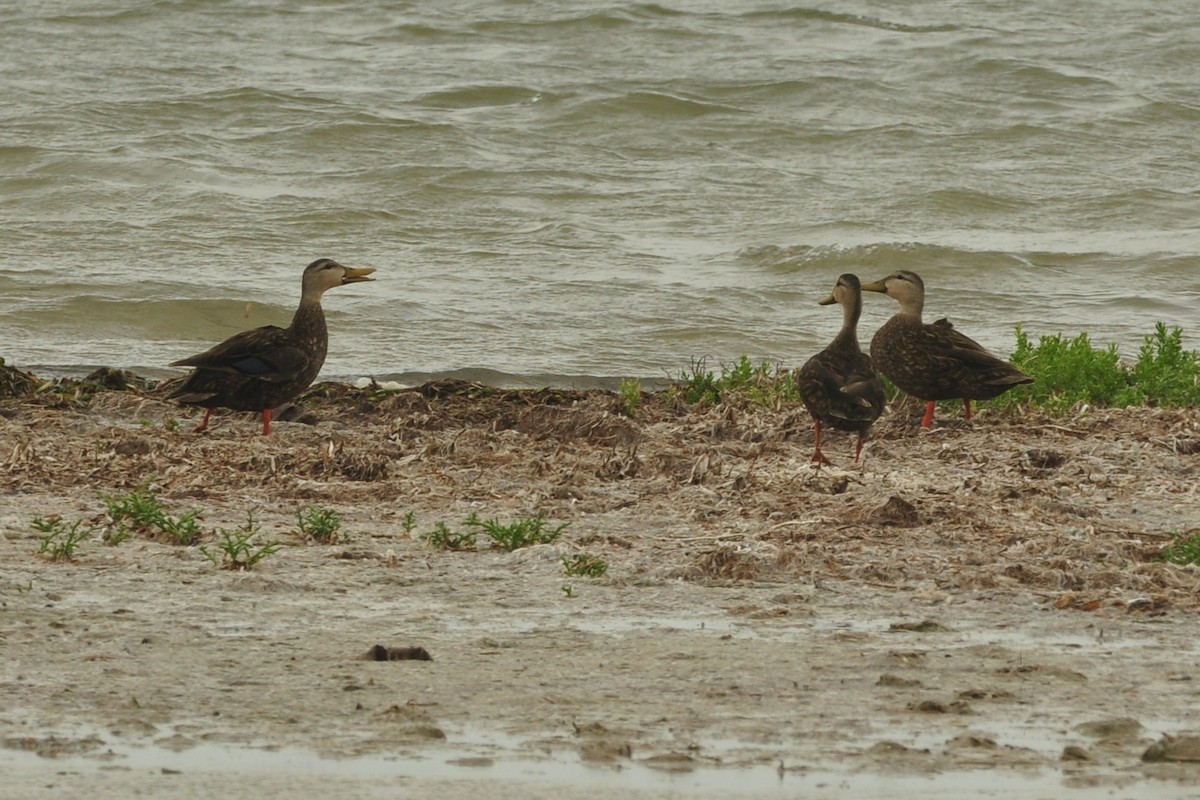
(847, 290)
(325, 273)
(904, 286)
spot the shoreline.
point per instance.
(957, 605)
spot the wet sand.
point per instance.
(975, 608)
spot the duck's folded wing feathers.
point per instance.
(264, 353)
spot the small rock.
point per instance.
(924, 626)
(1116, 728)
(672, 762)
(1043, 459)
(605, 750)
(888, 747)
(929, 707)
(973, 741)
(888, 679)
(381, 653)
(1177, 749)
(1074, 752)
(898, 512)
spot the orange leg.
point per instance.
(966, 408)
(858, 448)
(819, 457)
(266, 421)
(929, 408)
(203, 426)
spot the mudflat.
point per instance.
(978, 608)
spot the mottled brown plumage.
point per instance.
(839, 385)
(260, 369)
(934, 361)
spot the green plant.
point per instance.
(1165, 373)
(113, 536)
(764, 384)
(585, 565)
(699, 384)
(631, 396)
(140, 508)
(141, 511)
(320, 524)
(61, 539)
(1067, 373)
(1183, 549)
(410, 523)
(443, 538)
(1071, 372)
(568, 590)
(235, 549)
(519, 533)
(184, 530)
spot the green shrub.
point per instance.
(320, 524)
(1183, 549)
(584, 565)
(519, 533)
(764, 384)
(631, 396)
(60, 539)
(1165, 373)
(141, 511)
(1070, 372)
(236, 550)
(443, 538)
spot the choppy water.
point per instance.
(564, 188)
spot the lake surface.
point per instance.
(557, 191)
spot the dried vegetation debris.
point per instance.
(1077, 507)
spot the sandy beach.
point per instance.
(978, 609)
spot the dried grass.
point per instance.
(1076, 507)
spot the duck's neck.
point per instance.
(912, 306)
(848, 335)
(309, 319)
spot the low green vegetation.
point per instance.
(1069, 373)
(237, 549)
(59, 538)
(323, 525)
(509, 536)
(584, 565)
(140, 511)
(518, 533)
(443, 538)
(765, 384)
(1183, 549)
(631, 396)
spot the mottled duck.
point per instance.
(260, 369)
(839, 385)
(934, 361)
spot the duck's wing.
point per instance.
(844, 386)
(971, 356)
(267, 353)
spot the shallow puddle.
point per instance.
(475, 759)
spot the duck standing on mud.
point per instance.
(839, 385)
(934, 361)
(260, 369)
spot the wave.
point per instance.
(483, 96)
(877, 257)
(647, 104)
(860, 20)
